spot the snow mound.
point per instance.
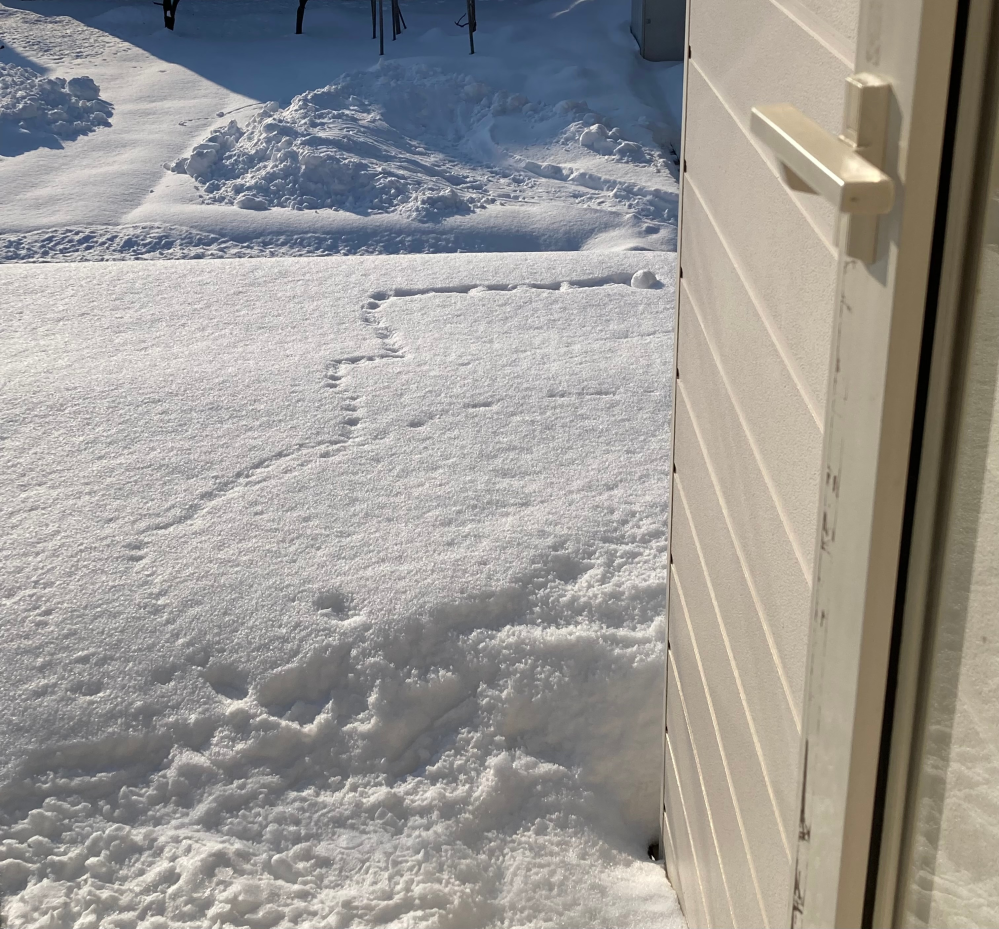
(33, 107)
(400, 138)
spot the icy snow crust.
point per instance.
(412, 138)
(36, 110)
(327, 605)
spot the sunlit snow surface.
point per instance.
(333, 588)
(555, 135)
(333, 591)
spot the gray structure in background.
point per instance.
(658, 26)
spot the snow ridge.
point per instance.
(156, 241)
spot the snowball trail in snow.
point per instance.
(40, 111)
(333, 589)
(345, 615)
(414, 139)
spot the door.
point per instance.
(798, 343)
(939, 847)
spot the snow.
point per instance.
(234, 136)
(362, 145)
(37, 111)
(644, 279)
(334, 578)
(332, 605)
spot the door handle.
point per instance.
(844, 169)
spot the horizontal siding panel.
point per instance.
(669, 824)
(703, 733)
(787, 266)
(718, 911)
(668, 851)
(765, 701)
(685, 878)
(777, 415)
(839, 16)
(733, 46)
(775, 573)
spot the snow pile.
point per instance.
(32, 105)
(406, 138)
(346, 614)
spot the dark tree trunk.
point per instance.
(300, 17)
(170, 13)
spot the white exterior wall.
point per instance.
(755, 306)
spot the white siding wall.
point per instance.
(755, 306)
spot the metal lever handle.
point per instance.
(826, 164)
(844, 169)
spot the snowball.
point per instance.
(83, 88)
(552, 170)
(434, 205)
(202, 158)
(643, 280)
(27, 110)
(14, 874)
(597, 138)
(249, 202)
(628, 150)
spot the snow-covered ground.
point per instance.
(330, 605)
(555, 135)
(332, 588)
